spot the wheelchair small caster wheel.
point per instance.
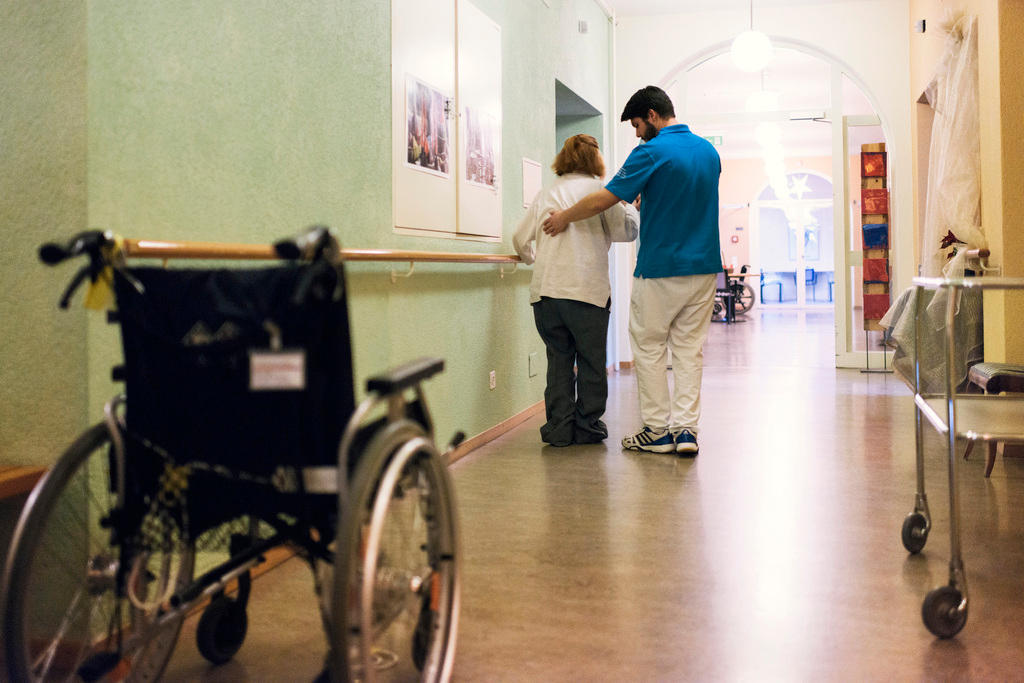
(221, 630)
(915, 532)
(941, 612)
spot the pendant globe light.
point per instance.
(751, 50)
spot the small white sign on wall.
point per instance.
(531, 181)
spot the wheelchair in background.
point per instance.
(743, 293)
(237, 434)
(733, 296)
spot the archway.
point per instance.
(847, 114)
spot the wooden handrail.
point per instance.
(224, 250)
(18, 479)
(437, 256)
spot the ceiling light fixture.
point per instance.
(751, 50)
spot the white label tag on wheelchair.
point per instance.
(277, 370)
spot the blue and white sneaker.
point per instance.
(686, 443)
(651, 440)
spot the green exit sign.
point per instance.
(715, 140)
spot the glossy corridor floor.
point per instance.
(773, 556)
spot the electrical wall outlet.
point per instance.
(532, 365)
(492, 379)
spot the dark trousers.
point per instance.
(575, 334)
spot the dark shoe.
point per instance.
(559, 433)
(595, 432)
(686, 443)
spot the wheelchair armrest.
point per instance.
(404, 376)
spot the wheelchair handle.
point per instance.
(404, 376)
(315, 243)
(89, 242)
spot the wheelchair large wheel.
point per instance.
(66, 610)
(396, 593)
(744, 298)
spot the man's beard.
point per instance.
(650, 132)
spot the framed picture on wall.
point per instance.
(428, 135)
(481, 142)
(446, 156)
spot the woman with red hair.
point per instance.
(571, 295)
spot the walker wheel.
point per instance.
(942, 613)
(915, 532)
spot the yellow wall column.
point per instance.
(1001, 101)
(1004, 337)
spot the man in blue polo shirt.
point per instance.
(675, 173)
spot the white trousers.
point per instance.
(670, 313)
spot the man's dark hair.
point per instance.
(645, 99)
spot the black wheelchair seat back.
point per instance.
(231, 368)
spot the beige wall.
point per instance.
(1001, 99)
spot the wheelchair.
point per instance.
(743, 293)
(237, 437)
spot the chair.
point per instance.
(769, 283)
(811, 279)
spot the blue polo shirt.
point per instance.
(677, 175)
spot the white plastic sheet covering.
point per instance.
(953, 201)
(968, 333)
(952, 204)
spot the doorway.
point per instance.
(574, 115)
(793, 219)
(803, 116)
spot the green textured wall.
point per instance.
(42, 195)
(245, 120)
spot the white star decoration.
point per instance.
(798, 186)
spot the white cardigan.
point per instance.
(574, 263)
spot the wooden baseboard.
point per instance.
(18, 479)
(494, 432)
